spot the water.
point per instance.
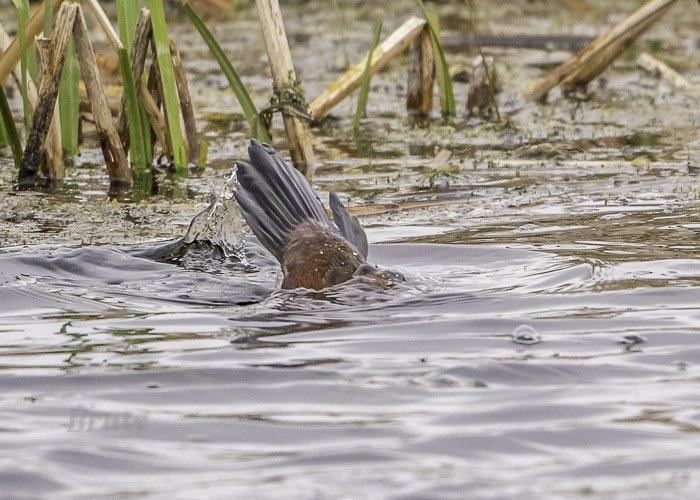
(122, 376)
(544, 345)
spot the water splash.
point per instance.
(221, 223)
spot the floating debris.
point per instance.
(631, 340)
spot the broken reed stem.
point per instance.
(186, 109)
(343, 87)
(155, 90)
(139, 52)
(131, 128)
(155, 118)
(46, 100)
(151, 99)
(285, 83)
(53, 164)
(115, 157)
(5, 42)
(652, 65)
(592, 60)
(34, 27)
(105, 23)
(421, 76)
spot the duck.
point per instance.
(289, 220)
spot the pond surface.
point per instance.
(545, 343)
(493, 371)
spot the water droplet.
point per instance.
(526, 335)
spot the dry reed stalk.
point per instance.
(115, 157)
(652, 65)
(343, 87)
(54, 150)
(155, 117)
(483, 87)
(139, 52)
(186, 108)
(105, 23)
(153, 108)
(285, 84)
(421, 76)
(596, 57)
(46, 100)
(34, 27)
(53, 165)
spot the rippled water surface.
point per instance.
(493, 370)
(545, 344)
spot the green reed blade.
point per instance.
(449, 106)
(48, 18)
(3, 135)
(167, 76)
(9, 127)
(203, 154)
(128, 17)
(257, 128)
(366, 78)
(69, 101)
(137, 147)
(146, 135)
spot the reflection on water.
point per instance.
(121, 375)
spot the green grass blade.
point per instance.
(449, 106)
(48, 18)
(146, 134)
(167, 76)
(366, 78)
(69, 102)
(10, 129)
(137, 148)
(257, 128)
(3, 135)
(128, 17)
(203, 154)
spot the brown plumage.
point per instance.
(289, 220)
(317, 258)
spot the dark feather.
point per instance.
(275, 198)
(349, 225)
